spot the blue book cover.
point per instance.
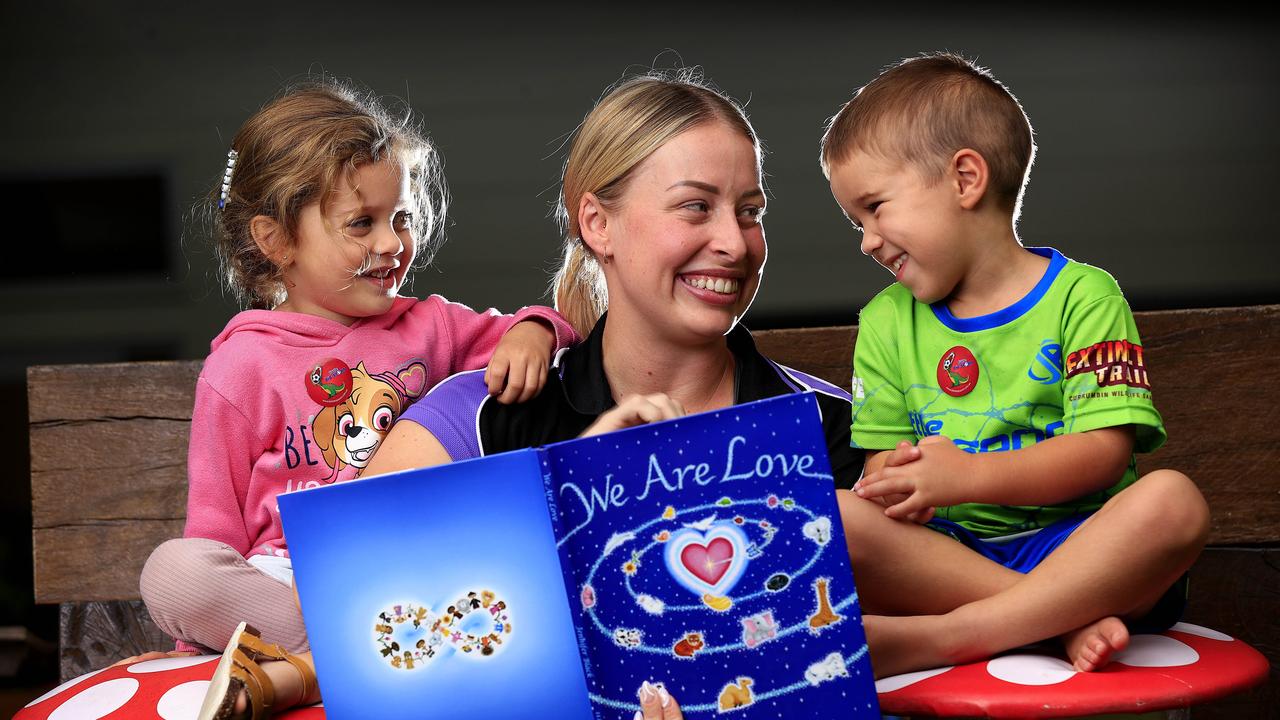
(704, 553)
(707, 553)
(436, 593)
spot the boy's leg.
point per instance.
(902, 568)
(1118, 562)
(198, 590)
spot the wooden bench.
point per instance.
(109, 446)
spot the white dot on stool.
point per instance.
(182, 702)
(897, 682)
(151, 666)
(1204, 632)
(97, 701)
(1030, 669)
(64, 686)
(1156, 651)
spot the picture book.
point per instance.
(703, 553)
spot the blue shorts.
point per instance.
(1023, 552)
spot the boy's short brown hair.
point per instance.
(924, 109)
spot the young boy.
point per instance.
(1020, 377)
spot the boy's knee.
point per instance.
(1186, 505)
(1175, 507)
(860, 518)
(851, 506)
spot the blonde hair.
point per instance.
(628, 124)
(293, 152)
(924, 109)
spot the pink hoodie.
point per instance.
(287, 401)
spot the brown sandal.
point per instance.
(238, 670)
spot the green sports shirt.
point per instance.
(1064, 359)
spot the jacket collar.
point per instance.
(586, 388)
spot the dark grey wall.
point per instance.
(1156, 132)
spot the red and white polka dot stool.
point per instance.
(1183, 666)
(166, 689)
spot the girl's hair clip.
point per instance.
(226, 178)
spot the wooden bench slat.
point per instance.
(1212, 383)
(58, 393)
(90, 471)
(96, 561)
(823, 352)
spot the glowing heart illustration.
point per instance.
(707, 562)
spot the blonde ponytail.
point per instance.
(579, 290)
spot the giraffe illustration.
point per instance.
(824, 616)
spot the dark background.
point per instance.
(1158, 153)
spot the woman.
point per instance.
(662, 204)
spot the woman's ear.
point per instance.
(593, 224)
(270, 239)
(970, 177)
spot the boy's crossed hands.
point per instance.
(915, 480)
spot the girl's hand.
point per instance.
(936, 478)
(636, 410)
(657, 704)
(518, 369)
(153, 655)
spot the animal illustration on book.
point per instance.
(829, 668)
(736, 695)
(688, 645)
(824, 615)
(758, 628)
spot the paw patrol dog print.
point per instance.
(358, 409)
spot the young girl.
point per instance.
(326, 202)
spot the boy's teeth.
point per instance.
(897, 264)
(721, 285)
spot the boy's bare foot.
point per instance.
(1091, 647)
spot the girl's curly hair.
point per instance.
(292, 153)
